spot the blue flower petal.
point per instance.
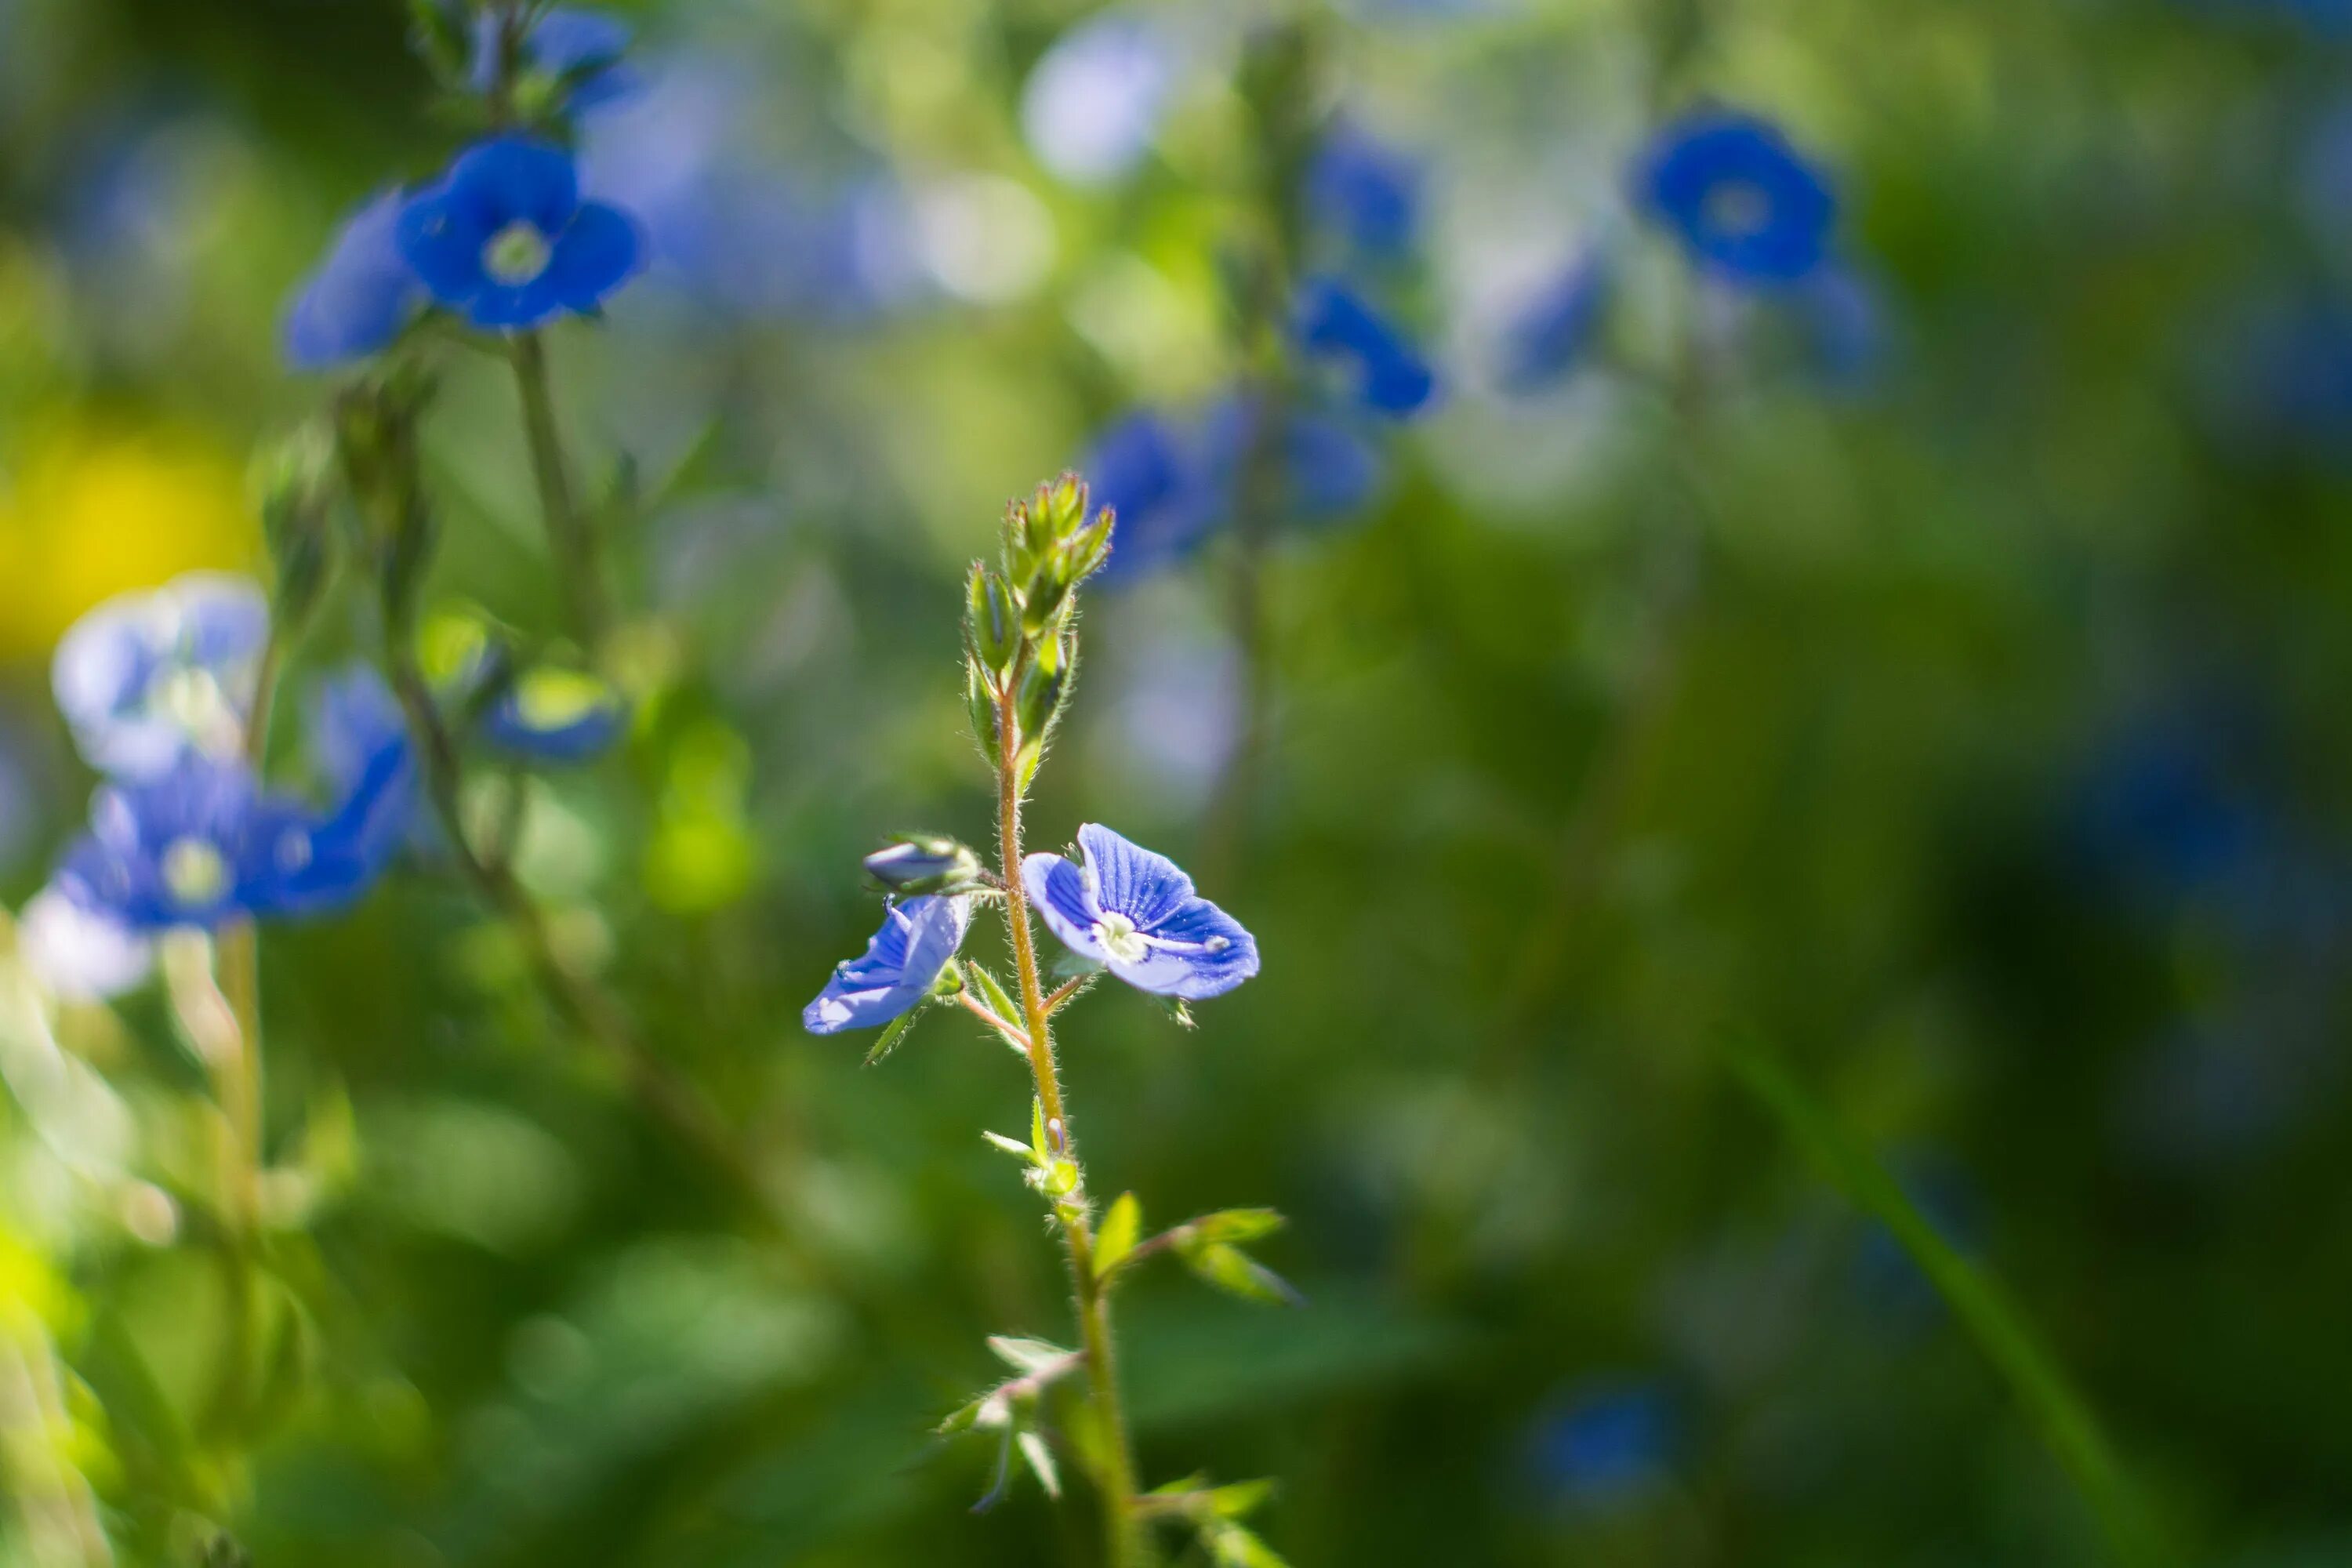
(441, 238)
(513, 179)
(1365, 192)
(594, 257)
(361, 297)
(1197, 951)
(1130, 880)
(916, 939)
(1065, 901)
(1333, 323)
(1551, 338)
(147, 676)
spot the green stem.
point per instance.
(2065, 1421)
(1124, 1541)
(570, 540)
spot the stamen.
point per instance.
(517, 254)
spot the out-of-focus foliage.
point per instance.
(1935, 668)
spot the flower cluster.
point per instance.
(502, 239)
(158, 690)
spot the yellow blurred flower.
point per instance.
(88, 512)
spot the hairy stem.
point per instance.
(577, 572)
(1123, 1533)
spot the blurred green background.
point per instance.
(1971, 729)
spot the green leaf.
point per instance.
(1041, 1460)
(1230, 1269)
(1037, 1132)
(1013, 1146)
(1235, 1225)
(1231, 1546)
(1027, 1355)
(1241, 1497)
(891, 1034)
(992, 991)
(1120, 1227)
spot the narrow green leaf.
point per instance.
(1229, 1268)
(891, 1035)
(1236, 1225)
(1041, 1461)
(1120, 1227)
(992, 991)
(1240, 1498)
(1231, 1546)
(1026, 1355)
(1013, 1146)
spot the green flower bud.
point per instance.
(295, 488)
(993, 618)
(925, 863)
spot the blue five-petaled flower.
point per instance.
(1748, 208)
(1136, 914)
(148, 676)
(504, 239)
(917, 938)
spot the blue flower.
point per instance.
(1094, 101)
(1170, 488)
(1364, 193)
(917, 938)
(1746, 206)
(355, 725)
(1386, 373)
(204, 844)
(1136, 912)
(1612, 1441)
(360, 298)
(1550, 338)
(145, 677)
(554, 714)
(504, 239)
(565, 41)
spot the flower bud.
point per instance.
(1048, 592)
(981, 705)
(1045, 686)
(993, 617)
(1091, 548)
(925, 863)
(295, 489)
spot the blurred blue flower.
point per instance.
(2168, 808)
(565, 41)
(361, 297)
(2281, 381)
(1550, 338)
(146, 677)
(2325, 181)
(917, 938)
(1747, 208)
(552, 713)
(355, 724)
(79, 954)
(1094, 101)
(1170, 488)
(203, 845)
(1605, 1444)
(736, 233)
(1136, 912)
(504, 239)
(1383, 370)
(1364, 193)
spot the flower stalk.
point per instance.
(579, 571)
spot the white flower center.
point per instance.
(195, 872)
(1120, 938)
(1738, 209)
(515, 254)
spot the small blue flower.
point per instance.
(1748, 208)
(504, 239)
(917, 938)
(145, 677)
(355, 723)
(203, 845)
(1386, 373)
(1552, 337)
(1364, 193)
(555, 714)
(361, 298)
(1094, 101)
(1136, 912)
(564, 41)
(1613, 1440)
(1170, 488)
